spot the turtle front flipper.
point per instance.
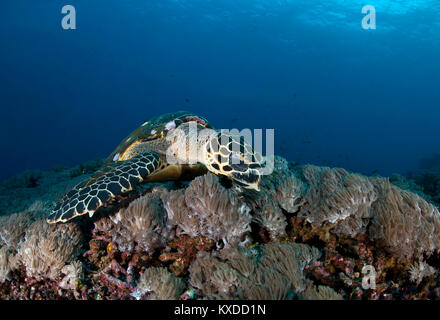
(111, 181)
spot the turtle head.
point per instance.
(231, 156)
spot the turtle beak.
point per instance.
(253, 186)
(249, 180)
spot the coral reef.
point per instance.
(160, 284)
(73, 273)
(307, 234)
(208, 209)
(47, 249)
(420, 270)
(5, 267)
(426, 180)
(404, 223)
(183, 250)
(140, 227)
(407, 184)
(429, 181)
(336, 196)
(19, 192)
(351, 205)
(27, 179)
(281, 190)
(269, 272)
(13, 228)
(321, 293)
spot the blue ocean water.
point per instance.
(336, 94)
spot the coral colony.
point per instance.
(309, 233)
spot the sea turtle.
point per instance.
(160, 150)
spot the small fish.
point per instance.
(187, 100)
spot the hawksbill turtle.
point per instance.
(156, 151)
